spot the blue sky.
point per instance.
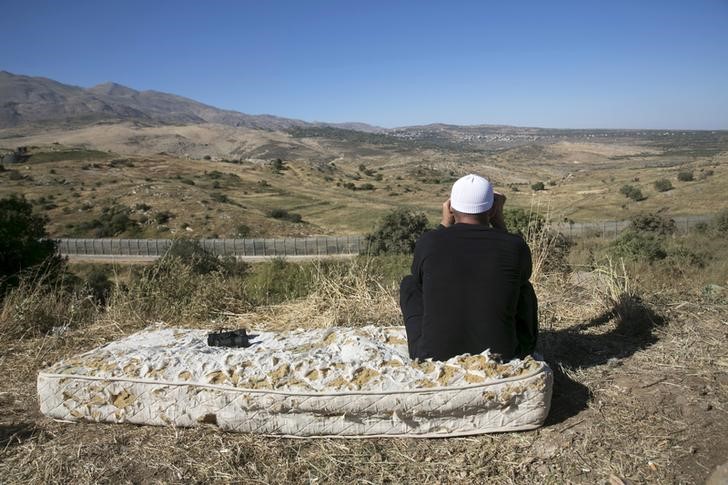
(585, 64)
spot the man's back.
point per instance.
(475, 293)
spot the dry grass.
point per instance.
(41, 304)
(348, 295)
(640, 395)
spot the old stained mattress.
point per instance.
(346, 382)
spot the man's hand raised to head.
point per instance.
(497, 219)
(447, 218)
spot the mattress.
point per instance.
(334, 382)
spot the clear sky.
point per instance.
(605, 64)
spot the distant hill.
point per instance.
(109, 116)
(36, 100)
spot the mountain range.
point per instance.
(109, 116)
(28, 100)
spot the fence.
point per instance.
(309, 246)
(613, 228)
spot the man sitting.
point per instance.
(469, 289)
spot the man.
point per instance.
(469, 288)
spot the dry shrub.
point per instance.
(632, 315)
(348, 295)
(174, 292)
(549, 249)
(42, 303)
(354, 295)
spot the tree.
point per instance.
(397, 232)
(663, 185)
(23, 239)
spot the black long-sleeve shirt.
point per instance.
(476, 293)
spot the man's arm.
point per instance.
(497, 220)
(527, 310)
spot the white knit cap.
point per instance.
(471, 194)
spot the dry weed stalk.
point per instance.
(615, 284)
(541, 240)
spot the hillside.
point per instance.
(111, 146)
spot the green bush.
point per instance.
(222, 198)
(199, 260)
(632, 192)
(278, 280)
(113, 221)
(243, 230)
(520, 221)
(682, 257)
(701, 227)
(653, 223)
(23, 240)
(538, 186)
(283, 214)
(99, 285)
(635, 245)
(685, 176)
(663, 185)
(277, 165)
(122, 162)
(397, 232)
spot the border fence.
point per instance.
(613, 228)
(311, 246)
(300, 246)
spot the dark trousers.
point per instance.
(410, 301)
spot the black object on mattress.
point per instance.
(233, 338)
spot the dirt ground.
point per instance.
(641, 396)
